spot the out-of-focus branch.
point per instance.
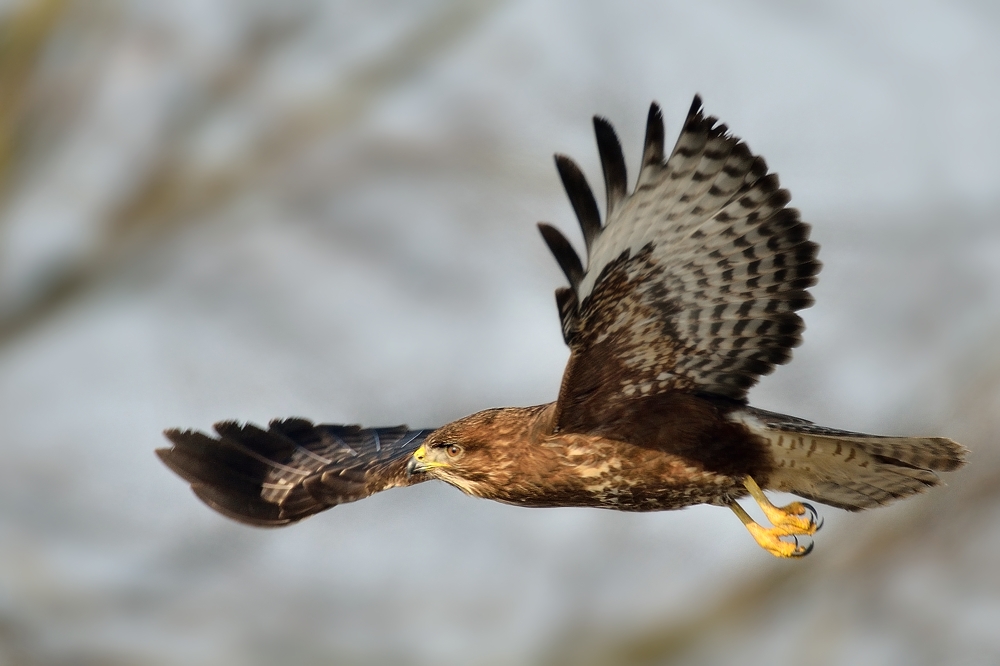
(170, 193)
(23, 37)
(175, 192)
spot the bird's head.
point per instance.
(449, 452)
(435, 455)
(472, 451)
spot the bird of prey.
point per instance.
(688, 296)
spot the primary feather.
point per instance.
(291, 470)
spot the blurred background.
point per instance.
(221, 209)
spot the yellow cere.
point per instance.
(421, 454)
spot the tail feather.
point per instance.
(851, 470)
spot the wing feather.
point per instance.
(291, 470)
(694, 281)
(564, 253)
(652, 152)
(612, 163)
(581, 197)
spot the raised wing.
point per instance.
(291, 470)
(693, 284)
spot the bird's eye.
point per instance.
(453, 450)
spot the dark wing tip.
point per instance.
(652, 153)
(227, 472)
(243, 509)
(290, 423)
(695, 120)
(231, 426)
(564, 253)
(612, 162)
(696, 106)
(581, 197)
(166, 456)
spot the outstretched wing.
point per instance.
(291, 470)
(693, 284)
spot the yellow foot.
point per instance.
(797, 518)
(770, 540)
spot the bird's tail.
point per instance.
(850, 470)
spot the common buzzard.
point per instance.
(689, 294)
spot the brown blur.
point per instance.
(214, 210)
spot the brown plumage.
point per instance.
(689, 294)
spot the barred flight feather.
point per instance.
(697, 274)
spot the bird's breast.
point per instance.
(579, 470)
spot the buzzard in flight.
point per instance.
(689, 294)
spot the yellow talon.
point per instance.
(796, 519)
(785, 518)
(769, 540)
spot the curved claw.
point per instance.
(815, 520)
(770, 539)
(796, 518)
(800, 551)
(787, 523)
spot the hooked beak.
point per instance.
(419, 462)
